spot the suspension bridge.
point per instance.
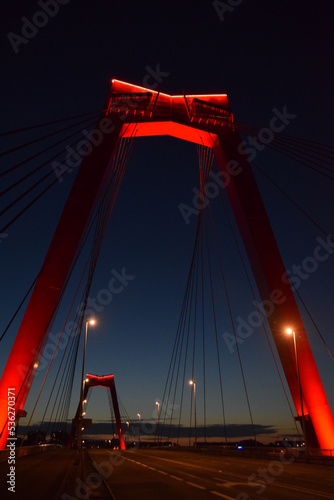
(208, 327)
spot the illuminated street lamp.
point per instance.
(81, 402)
(138, 415)
(289, 331)
(191, 382)
(127, 426)
(158, 405)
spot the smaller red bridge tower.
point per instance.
(108, 382)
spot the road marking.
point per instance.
(196, 485)
(151, 468)
(222, 495)
(175, 477)
(227, 484)
(241, 476)
(180, 463)
(162, 472)
(304, 490)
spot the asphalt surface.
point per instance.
(164, 475)
(37, 477)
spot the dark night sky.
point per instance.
(264, 55)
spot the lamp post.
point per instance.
(289, 331)
(191, 382)
(82, 385)
(138, 415)
(127, 425)
(158, 405)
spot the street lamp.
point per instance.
(289, 331)
(127, 425)
(158, 405)
(81, 402)
(138, 415)
(191, 382)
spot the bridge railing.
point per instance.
(297, 453)
(28, 450)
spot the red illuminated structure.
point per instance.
(108, 382)
(133, 111)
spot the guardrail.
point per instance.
(265, 452)
(23, 451)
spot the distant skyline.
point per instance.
(265, 56)
(214, 433)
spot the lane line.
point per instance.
(281, 485)
(241, 476)
(162, 472)
(222, 495)
(303, 490)
(196, 485)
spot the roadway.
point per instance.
(176, 475)
(37, 477)
(165, 475)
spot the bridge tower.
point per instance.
(108, 382)
(133, 111)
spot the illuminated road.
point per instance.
(166, 475)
